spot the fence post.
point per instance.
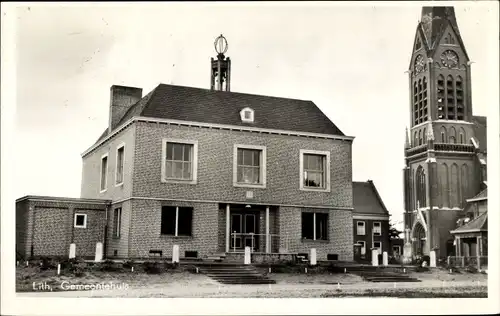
(463, 262)
(448, 260)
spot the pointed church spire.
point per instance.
(434, 21)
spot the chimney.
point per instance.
(122, 98)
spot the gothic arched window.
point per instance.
(443, 135)
(445, 188)
(440, 97)
(424, 136)
(462, 136)
(459, 94)
(464, 183)
(420, 137)
(455, 187)
(453, 135)
(450, 98)
(420, 187)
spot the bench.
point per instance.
(155, 252)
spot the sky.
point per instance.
(349, 59)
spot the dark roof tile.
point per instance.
(367, 200)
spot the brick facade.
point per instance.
(45, 226)
(369, 238)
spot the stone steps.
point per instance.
(235, 274)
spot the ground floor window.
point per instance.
(315, 226)
(363, 247)
(117, 222)
(176, 221)
(396, 250)
(80, 221)
(378, 245)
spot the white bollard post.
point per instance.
(385, 259)
(197, 271)
(72, 251)
(58, 268)
(345, 270)
(432, 262)
(269, 269)
(27, 263)
(313, 256)
(175, 254)
(247, 255)
(374, 257)
(132, 269)
(98, 252)
(305, 270)
(17, 263)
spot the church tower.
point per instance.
(220, 70)
(443, 150)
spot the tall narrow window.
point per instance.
(120, 156)
(176, 221)
(420, 137)
(450, 98)
(179, 161)
(460, 98)
(445, 185)
(377, 229)
(455, 191)
(360, 228)
(453, 135)
(420, 187)
(314, 171)
(104, 172)
(440, 97)
(117, 220)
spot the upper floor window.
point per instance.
(360, 228)
(314, 170)
(247, 115)
(377, 228)
(179, 161)
(249, 166)
(80, 220)
(120, 157)
(104, 172)
(420, 187)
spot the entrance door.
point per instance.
(243, 228)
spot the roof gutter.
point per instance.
(215, 126)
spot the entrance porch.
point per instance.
(254, 226)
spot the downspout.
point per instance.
(105, 241)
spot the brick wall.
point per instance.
(47, 227)
(215, 167)
(91, 168)
(340, 239)
(146, 227)
(369, 238)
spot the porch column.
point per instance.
(478, 252)
(459, 247)
(268, 244)
(228, 231)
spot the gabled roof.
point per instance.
(479, 223)
(480, 196)
(366, 199)
(222, 107)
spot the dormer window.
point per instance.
(247, 115)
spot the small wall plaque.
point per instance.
(249, 195)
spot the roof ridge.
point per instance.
(233, 92)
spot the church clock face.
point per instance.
(449, 58)
(419, 64)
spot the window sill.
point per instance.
(176, 237)
(323, 241)
(178, 181)
(119, 184)
(80, 226)
(360, 234)
(253, 186)
(315, 190)
(102, 191)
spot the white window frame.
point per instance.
(101, 190)
(363, 246)
(327, 171)
(194, 163)
(117, 228)
(263, 169)
(242, 115)
(176, 232)
(117, 184)
(373, 229)
(379, 248)
(84, 220)
(357, 228)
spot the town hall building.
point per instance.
(445, 149)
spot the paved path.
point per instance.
(272, 290)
